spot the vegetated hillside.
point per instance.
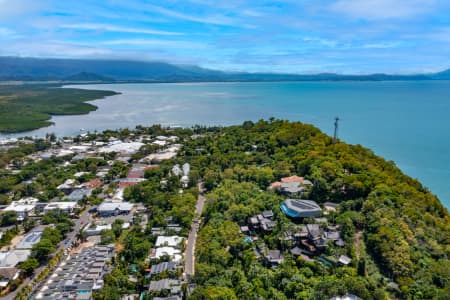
(28, 107)
(53, 69)
(395, 231)
(84, 76)
(18, 68)
(444, 75)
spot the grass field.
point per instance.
(30, 106)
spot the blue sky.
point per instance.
(295, 36)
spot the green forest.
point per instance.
(396, 232)
(26, 107)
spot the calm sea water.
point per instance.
(407, 121)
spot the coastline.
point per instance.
(373, 114)
(26, 108)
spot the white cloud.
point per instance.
(7, 33)
(11, 9)
(155, 43)
(113, 28)
(383, 9)
(381, 45)
(321, 41)
(52, 49)
(209, 19)
(440, 35)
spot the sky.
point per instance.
(287, 36)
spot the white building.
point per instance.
(171, 241)
(186, 169)
(22, 207)
(8, 265)
(121, 147)
(107, 209)
(96, 229)
(176, 170)
(66, 207)
(173, 253)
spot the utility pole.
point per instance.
(336, 124)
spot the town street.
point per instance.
(71, 237)
(189, 256)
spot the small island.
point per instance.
(25, 107)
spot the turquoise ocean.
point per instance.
(404, 121)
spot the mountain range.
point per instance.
(95, 70)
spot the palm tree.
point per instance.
(81, 236)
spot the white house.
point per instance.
(22, 207)
(8, 264)
(171, 241)
(66, 207)
(107, 209)
(174, 254)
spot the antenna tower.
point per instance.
(336, 125)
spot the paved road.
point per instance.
(71, 236)
(189, 268)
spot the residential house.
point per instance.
(291, 186)
(67, 187)
(164, 267)
(344, 260)
(30, 239)
(330, 207)
(171, 241)
(66, 206)
(273, 258)
(126, 182)
(9, 261)
(78, 194)
(23, 207)
(166, 286)
(261, 222)
(93, 184)
(107, 209)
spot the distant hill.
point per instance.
(441, 75)
(28, 69)
(85, 76)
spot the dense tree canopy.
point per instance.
(404, 229)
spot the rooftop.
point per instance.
(29, 240)
(300, 208)
(61, 205)
(172, 241)
(78, 275)
(111, 206)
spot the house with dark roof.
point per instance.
(314, 231)
(273, 258)
(78, 194)
(164, 267)
(165, 286)
(261, 222)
